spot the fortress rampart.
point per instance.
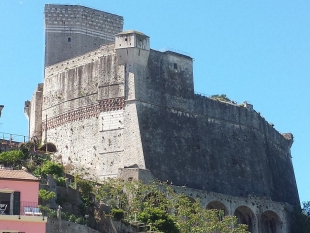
(183, 137)
(124, 106)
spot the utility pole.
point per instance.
(1, 107)
(45, 133)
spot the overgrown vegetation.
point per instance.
(156, 205)
(45, 196)
(221, 97)
(52, 168)
(50, 213)
(300, 222)
(159, 207)
(26, 156)
(12, 157)
(85, 188)
(300, 219)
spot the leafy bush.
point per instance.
(45, 196)
(300, 220)
(46, 211)
(52, 168)
(72, 218)
(79, 220)
(61, 181)
(221, 97)
(11, 157)
(26, 148)
(160, 220)
(85, 188)
(37, 171)
(118, 214)
(159, 206)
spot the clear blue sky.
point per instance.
(257, 51)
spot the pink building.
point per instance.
(19, 210)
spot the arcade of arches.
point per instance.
(267, 222)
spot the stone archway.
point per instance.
(218, 206)
(245, 216)
(270, 222)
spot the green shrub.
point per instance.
(61, 181)
(65, 216)
(37, 171)
(72, 218)
(26, 148)
(161, 220)
(85, 188)
(45, 196)
(52, 168)
(46, 211)
(118, 214)
(79, 220)
(11, 157)
(221, 97)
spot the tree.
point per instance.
(159, 219)
(300, 219)
(157, 204)
(52, 168)
(306, 208)
(85, 188)
(45, 196)
(11, 157)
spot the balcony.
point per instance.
(19, 208)
(14, 212)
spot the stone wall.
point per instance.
(72, 30)
(35, 113)
(208, 144)
(56, 225)
(84, 104)
(143, 113)
(103, 116)
(261, 214)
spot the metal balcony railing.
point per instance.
(19, 208)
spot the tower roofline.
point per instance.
(131, 32)
(81, 6)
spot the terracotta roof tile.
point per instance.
(16, 174)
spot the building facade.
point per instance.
(19, 210)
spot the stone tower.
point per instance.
(132, 50)
(72, 30)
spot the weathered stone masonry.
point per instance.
(74, 30)
(85, 112)
(124, 106)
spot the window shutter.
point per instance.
(16, 203)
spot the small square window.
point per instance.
(69, 39)
(175, 65)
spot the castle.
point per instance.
(114, 107)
